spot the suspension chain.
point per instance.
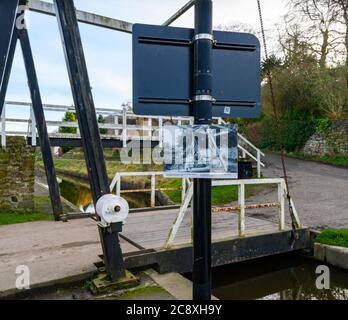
(277, 122)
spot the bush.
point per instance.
(68, 117)
(323, 126)
(296, 129)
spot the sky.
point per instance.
(109, 53)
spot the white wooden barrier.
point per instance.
(123, 131)
(282, 192)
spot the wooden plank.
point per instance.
(158, 223)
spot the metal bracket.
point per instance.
(203, 97)
(203, 36)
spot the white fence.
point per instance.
(121, 125)
(187, 193)
(241, 208)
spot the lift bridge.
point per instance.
(161, 237)
(172, 228)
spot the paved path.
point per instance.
(320, 192)
(52, 250)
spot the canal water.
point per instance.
(283, 277)
(80, 195)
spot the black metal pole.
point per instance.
(7, 72)
(8, 9)
(202, 108)
(90, 136)
(40, 123)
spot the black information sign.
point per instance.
(163, 68)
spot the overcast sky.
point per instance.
(108, 53)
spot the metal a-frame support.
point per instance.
(90, 135)
(8, 8)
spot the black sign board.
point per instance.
(163, 68)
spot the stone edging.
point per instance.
(336, 256)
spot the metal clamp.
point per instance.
(203, 36)
(203, 97)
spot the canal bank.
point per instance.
(283, 277)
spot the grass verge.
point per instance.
(333, 237)
(14, 218)
(336, 160)
(220, 195)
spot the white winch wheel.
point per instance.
(111, 208)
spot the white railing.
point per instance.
(241, 208)
(187, 194)
(121, 128)
(116, 184)
(249, 150)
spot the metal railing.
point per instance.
(124, 126)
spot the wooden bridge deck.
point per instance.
(150, 229)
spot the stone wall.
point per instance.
(334, 141)
(17, 176)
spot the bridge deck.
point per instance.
(150, 229)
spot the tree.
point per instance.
(101, 119)
(68, 117)
(270, 64)
(322, 18)
(236, 27)
(342, 6)
(295, 45)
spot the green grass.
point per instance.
(337, 160)
(340, 160)
(14, 218)
(334, 237)
(220, 195)
(79, 167)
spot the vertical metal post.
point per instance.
(41, 123)
(118, 185)
(153, 191)
(124, 127)
(160, 131)
(241, 204)
(116, 123)
(33, 127)
(3, 127)
(202, 108)
(258, 164)
(149, 128)
(183, 189)
(89, 130)
(281, 203)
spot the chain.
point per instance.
(277, 122)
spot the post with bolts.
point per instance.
(202, 108)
